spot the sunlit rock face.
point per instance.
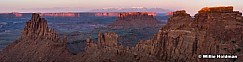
(135, 20)
(37, 43)
(169, 13)
(221, 32)
(68, 14)
(216, 9)
(214, 31)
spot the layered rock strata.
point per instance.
(217, 30)
(135, 20)
(37, 43)
(105, 50)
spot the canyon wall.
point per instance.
(182, 39)
(214, 30)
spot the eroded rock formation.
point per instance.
(135, 20)
(38, 43)
(105, 50)
(220, 32)
(216, 30)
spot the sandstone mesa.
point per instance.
(214, 30)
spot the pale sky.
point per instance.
(191, 6)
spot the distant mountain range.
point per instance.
(132, 9)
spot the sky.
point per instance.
(191, 6)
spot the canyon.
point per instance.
(213, 30)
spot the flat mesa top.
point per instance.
(216, 9)
(180, 12)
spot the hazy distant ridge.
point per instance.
(133, 9)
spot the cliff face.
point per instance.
(105, 50)
(135, 20)
(37, 43)
(179, 20)
(217, 30)
(220, 32)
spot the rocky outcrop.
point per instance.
(134, 20)
(37, 43)
(37, 27)
(219, 32)
(104, 40)
(106, 49)
(216, 30)
(108, 39)
(179, 20)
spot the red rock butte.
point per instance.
(216, 9)
(180, 12)
(135, 20)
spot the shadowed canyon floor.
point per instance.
(214, 30)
